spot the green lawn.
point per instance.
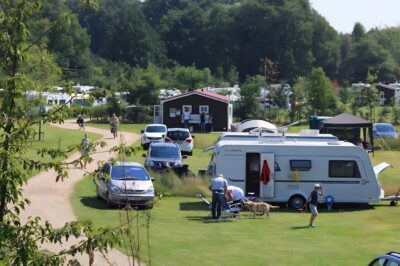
(55, 137)
(181, 233)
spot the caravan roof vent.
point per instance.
(309, 132)
(333, 143)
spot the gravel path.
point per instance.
(50, 200)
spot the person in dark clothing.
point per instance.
(203, 122)
(218, 187)
(313, 203)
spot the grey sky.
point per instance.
(343, 14)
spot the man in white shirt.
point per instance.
(234, 194)
(186, 117)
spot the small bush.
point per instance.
(170, 183)
(190, 186)
(164, 181)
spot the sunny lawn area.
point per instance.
(55, 137)
(181, 233)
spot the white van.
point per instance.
(285, 170)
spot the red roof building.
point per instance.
(216, 107)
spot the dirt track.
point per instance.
(50, 200)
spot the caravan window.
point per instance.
(343, 169)
(300, 165)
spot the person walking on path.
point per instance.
(114, 122)
(218, 187)
(81, 121)
(313, 203)
(85, 143)
(203, 122)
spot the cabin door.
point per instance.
(267, 175)
(157, 118)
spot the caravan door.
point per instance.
(267, 175)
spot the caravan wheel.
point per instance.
(296, 201)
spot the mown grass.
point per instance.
(55, 138)
(182, 234)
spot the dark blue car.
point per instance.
(389, 259)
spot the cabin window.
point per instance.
(300, 165)
(343, 169)
(203, 109)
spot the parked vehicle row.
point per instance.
(160, 133)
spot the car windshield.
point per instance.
(384, 128)
(178, 135)
(155, 129)
(164, 152)
(129, 173)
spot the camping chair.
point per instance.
(232, 211)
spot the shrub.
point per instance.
(190, 186)
(167, 182)
(164, 181)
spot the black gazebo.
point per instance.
(347, 127)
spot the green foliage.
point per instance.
(250, 92)
(119, 32)
(320, 93)
(21, 242)
(146, 86)
(190, 77)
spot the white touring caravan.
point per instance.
(286, 169)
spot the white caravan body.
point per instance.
(285, 170)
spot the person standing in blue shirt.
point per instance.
(218, 187)
(313, 203)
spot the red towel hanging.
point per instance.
(265, 172)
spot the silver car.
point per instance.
(125, 182)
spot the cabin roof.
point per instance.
(201, 92)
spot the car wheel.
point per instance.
(190, 153)
(297, 201)
(108, 201)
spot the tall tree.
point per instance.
(250, 97)
(119, 32)
(325, 46)
(67, 40)
(320, 92)
(185, 35)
